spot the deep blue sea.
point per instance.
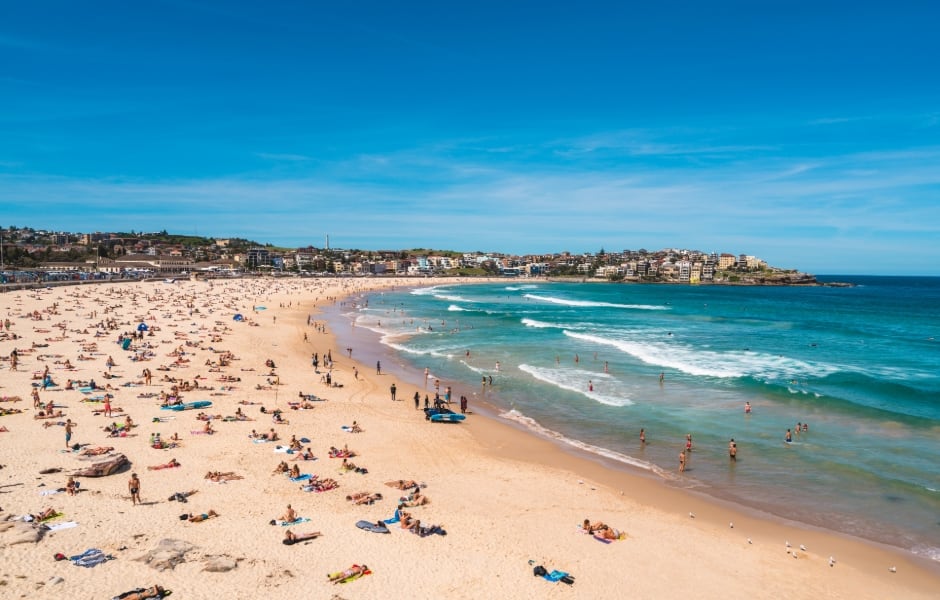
(860, 365)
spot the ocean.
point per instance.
(581, 363)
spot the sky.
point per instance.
(804, 133)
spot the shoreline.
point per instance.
(493, 413)
(504, 496)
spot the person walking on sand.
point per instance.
(393, 389)
(133, 487)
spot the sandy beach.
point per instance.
(505, 501)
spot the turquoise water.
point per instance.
(860, 365)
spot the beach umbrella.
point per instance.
(142, 327)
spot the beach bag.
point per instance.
(539, 571)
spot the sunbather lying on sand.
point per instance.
(403, 484)
(219, 476)
(97, 451)
(201, 517)
(48, 415)
(144, 594)
(344, 453)
(320, 485)
(417, 501)
(292, 538)
(350, 572)
(170, 465)
(364, 497)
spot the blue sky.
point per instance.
(804, 133)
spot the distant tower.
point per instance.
(327, 241)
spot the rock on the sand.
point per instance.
(219, 564)
(167, 554)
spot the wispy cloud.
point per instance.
(283, 157)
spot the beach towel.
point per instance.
(283, 450)
(556, 576)
(51, 517)
(303, 477)
(89, 552)
(90, 558)
(260, 441)
(373, 527)
(49, 492)
(296, 521)
(352, 577)
(61, 526)
(394, 519)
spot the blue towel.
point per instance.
(555, 575)
(394, 519)
(88, 552)
(303, 477)
(296, 521)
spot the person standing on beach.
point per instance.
(133, 486)
(417, 400)
(107, 405)
(463, 405)
(393, 389)
(378, 367)
(68, 431)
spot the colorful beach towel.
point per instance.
(296, 521)
(351, 577)
(303, 477)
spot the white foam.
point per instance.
(575, 380)
(533, 425)
(424, 291)
(455, 308)
(710, 363)
(540, 324)
(591, 303)
(931, 552)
